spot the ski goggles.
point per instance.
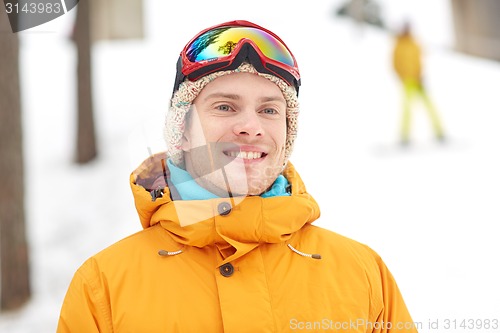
(228, 45)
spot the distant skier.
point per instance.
(408, 66)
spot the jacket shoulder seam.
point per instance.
(89, 273)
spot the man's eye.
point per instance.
(270, 111)
(224, 108)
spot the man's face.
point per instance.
(234, 141)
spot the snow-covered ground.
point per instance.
(431, 210)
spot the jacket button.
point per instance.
(226, 270)
(224, 208)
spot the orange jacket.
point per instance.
(407, 59)
(239, 268)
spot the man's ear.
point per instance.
(185, 143)
(193, 136)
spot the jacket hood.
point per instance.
(235, 225)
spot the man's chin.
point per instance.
(244, 190)
(245, 182)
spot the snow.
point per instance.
(431, 210)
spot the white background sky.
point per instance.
(431, 210)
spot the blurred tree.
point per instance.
(477, 27)
(117, 19)
(86, 147)
(98, 20)
(14, 266)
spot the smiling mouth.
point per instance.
(246, 155)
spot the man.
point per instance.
(407, 63)
(228, 244)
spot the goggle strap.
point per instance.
(179, 77)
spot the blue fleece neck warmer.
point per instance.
(189, 189)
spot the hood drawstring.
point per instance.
(165, 253)
(313, 256)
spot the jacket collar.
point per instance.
(249, 221)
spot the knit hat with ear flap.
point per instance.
(182, 99)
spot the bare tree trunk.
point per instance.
(14, 267)
(86, 149)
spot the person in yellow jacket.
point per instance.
(407, 62)
(228, 242)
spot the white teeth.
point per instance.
(248, 155)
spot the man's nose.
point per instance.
(249, 123)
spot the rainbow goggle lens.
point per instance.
(226, 46)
